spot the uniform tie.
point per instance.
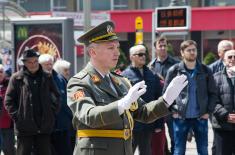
(110, 83)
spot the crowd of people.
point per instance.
(97, 111)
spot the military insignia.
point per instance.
(77, 95)
(116, 81)
(134, 106)
(95, 78)
(109, 29)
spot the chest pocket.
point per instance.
(102, 98)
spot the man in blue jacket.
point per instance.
(60, 137)
(137, 72)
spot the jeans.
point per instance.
(181, 127)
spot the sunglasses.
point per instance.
(140, 54)
(231, 56)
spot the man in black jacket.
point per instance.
(223, 118)
(32, 101)
(195, 102)
(145, 133)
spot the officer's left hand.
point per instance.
(174, 88)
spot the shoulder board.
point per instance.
(80, 75)
(115, 74)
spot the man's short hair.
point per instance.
(45, 58)
(159, 39)
(186, 44)
(224, 43)
(136, 48)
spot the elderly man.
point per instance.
(145, 135)
(218, 65)
(32, 101)
(223, 118)
(104, 104)
(60, 137)
(223, 46)
(63, 68)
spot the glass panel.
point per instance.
(97, 5)
(36, 5)
(219, 2)
(152, 4)
(60, 5)
(120, 4)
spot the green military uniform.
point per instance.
(101, 130)
(94, 106)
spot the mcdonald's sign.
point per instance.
(22, 33)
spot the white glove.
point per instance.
(174, 88)
(133, 94)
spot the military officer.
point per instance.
(104, 104)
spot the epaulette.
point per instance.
(80, 75)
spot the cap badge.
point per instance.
(109, 29)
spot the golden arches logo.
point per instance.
(22, 33)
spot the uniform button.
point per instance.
(126, 126)
(31, 105)
(39, 131)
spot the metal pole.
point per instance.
(51, 5)
(3, 22)
(78, 5)
(87, 23)
(112, 4)
(153, 35)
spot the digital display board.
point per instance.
(173, 18)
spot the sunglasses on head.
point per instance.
(231, 56)
(140, 54)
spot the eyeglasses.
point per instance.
(225, 50)
(231, 56)
(141, 54)
(191, 50)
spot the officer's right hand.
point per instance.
(133, 94)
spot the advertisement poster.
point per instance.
(44, 38)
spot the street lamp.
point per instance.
(87, 22)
